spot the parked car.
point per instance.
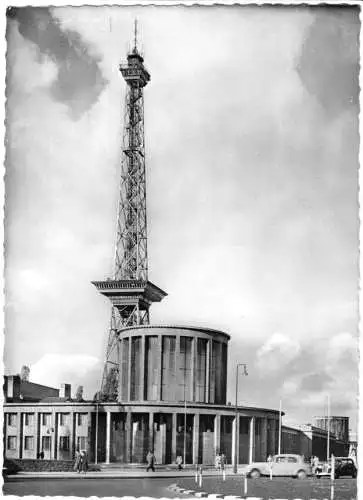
(281, 465)
(344, 466)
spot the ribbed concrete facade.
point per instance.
(159, 363)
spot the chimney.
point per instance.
(65, 391)
(12, 387)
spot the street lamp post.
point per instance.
(280, 427)
(236, 427)
(185, 430)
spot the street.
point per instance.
(278, 487)
(85, 487)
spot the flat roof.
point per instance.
(197, 328)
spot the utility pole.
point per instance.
(328, 443)
(280, 428)
(236, 417)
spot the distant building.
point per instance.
(310, 440)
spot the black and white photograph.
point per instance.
(181, 251)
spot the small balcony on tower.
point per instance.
(134, 72)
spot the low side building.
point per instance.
(310, 440)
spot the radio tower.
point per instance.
(129, 290)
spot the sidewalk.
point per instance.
(115, 473)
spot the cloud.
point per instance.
(324, 367)
(78, 81)
(276, 353)
(55, 369)
(328, 65)
(315, 382)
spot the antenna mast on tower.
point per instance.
(129, 290)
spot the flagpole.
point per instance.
(328, 437)
(235, 468)
(280, 428)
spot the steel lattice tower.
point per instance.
(129, 290)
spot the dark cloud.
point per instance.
(328, 64)
(316, 382)
(79, 81)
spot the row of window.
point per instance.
(46, 419)
(64, 443)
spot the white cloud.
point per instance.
(290, 387)
(340, 345)
(55, 369)
(277, 352)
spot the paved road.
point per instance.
(86, 487)
(311, 488)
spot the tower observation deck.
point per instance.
(129, 290)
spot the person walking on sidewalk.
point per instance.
(179, 462)
(83, 461)
(223, 461)
(77, 461)
(150, 459)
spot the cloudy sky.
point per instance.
(252, 144)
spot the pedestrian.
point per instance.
(150, 459)
(223, 461)
(315, 464)
(77, 461)
(41, 455)
(179, 462)
(83, 461)
(217, 462)
(269, 459)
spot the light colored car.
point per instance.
(281, 465)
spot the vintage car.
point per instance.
(344, 466)
(280, 465)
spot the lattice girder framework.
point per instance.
(121, 317)
(131, 246)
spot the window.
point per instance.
(29, 443)
(64, 443)
(258, 426)
(292, 460)
(12, 419)
(46, 442)
(28, 418)
(63, 418)
(47, 418)
(82, 418)
(81, 442)
(11, 442)
(185, 369)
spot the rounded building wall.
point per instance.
(170, 363)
